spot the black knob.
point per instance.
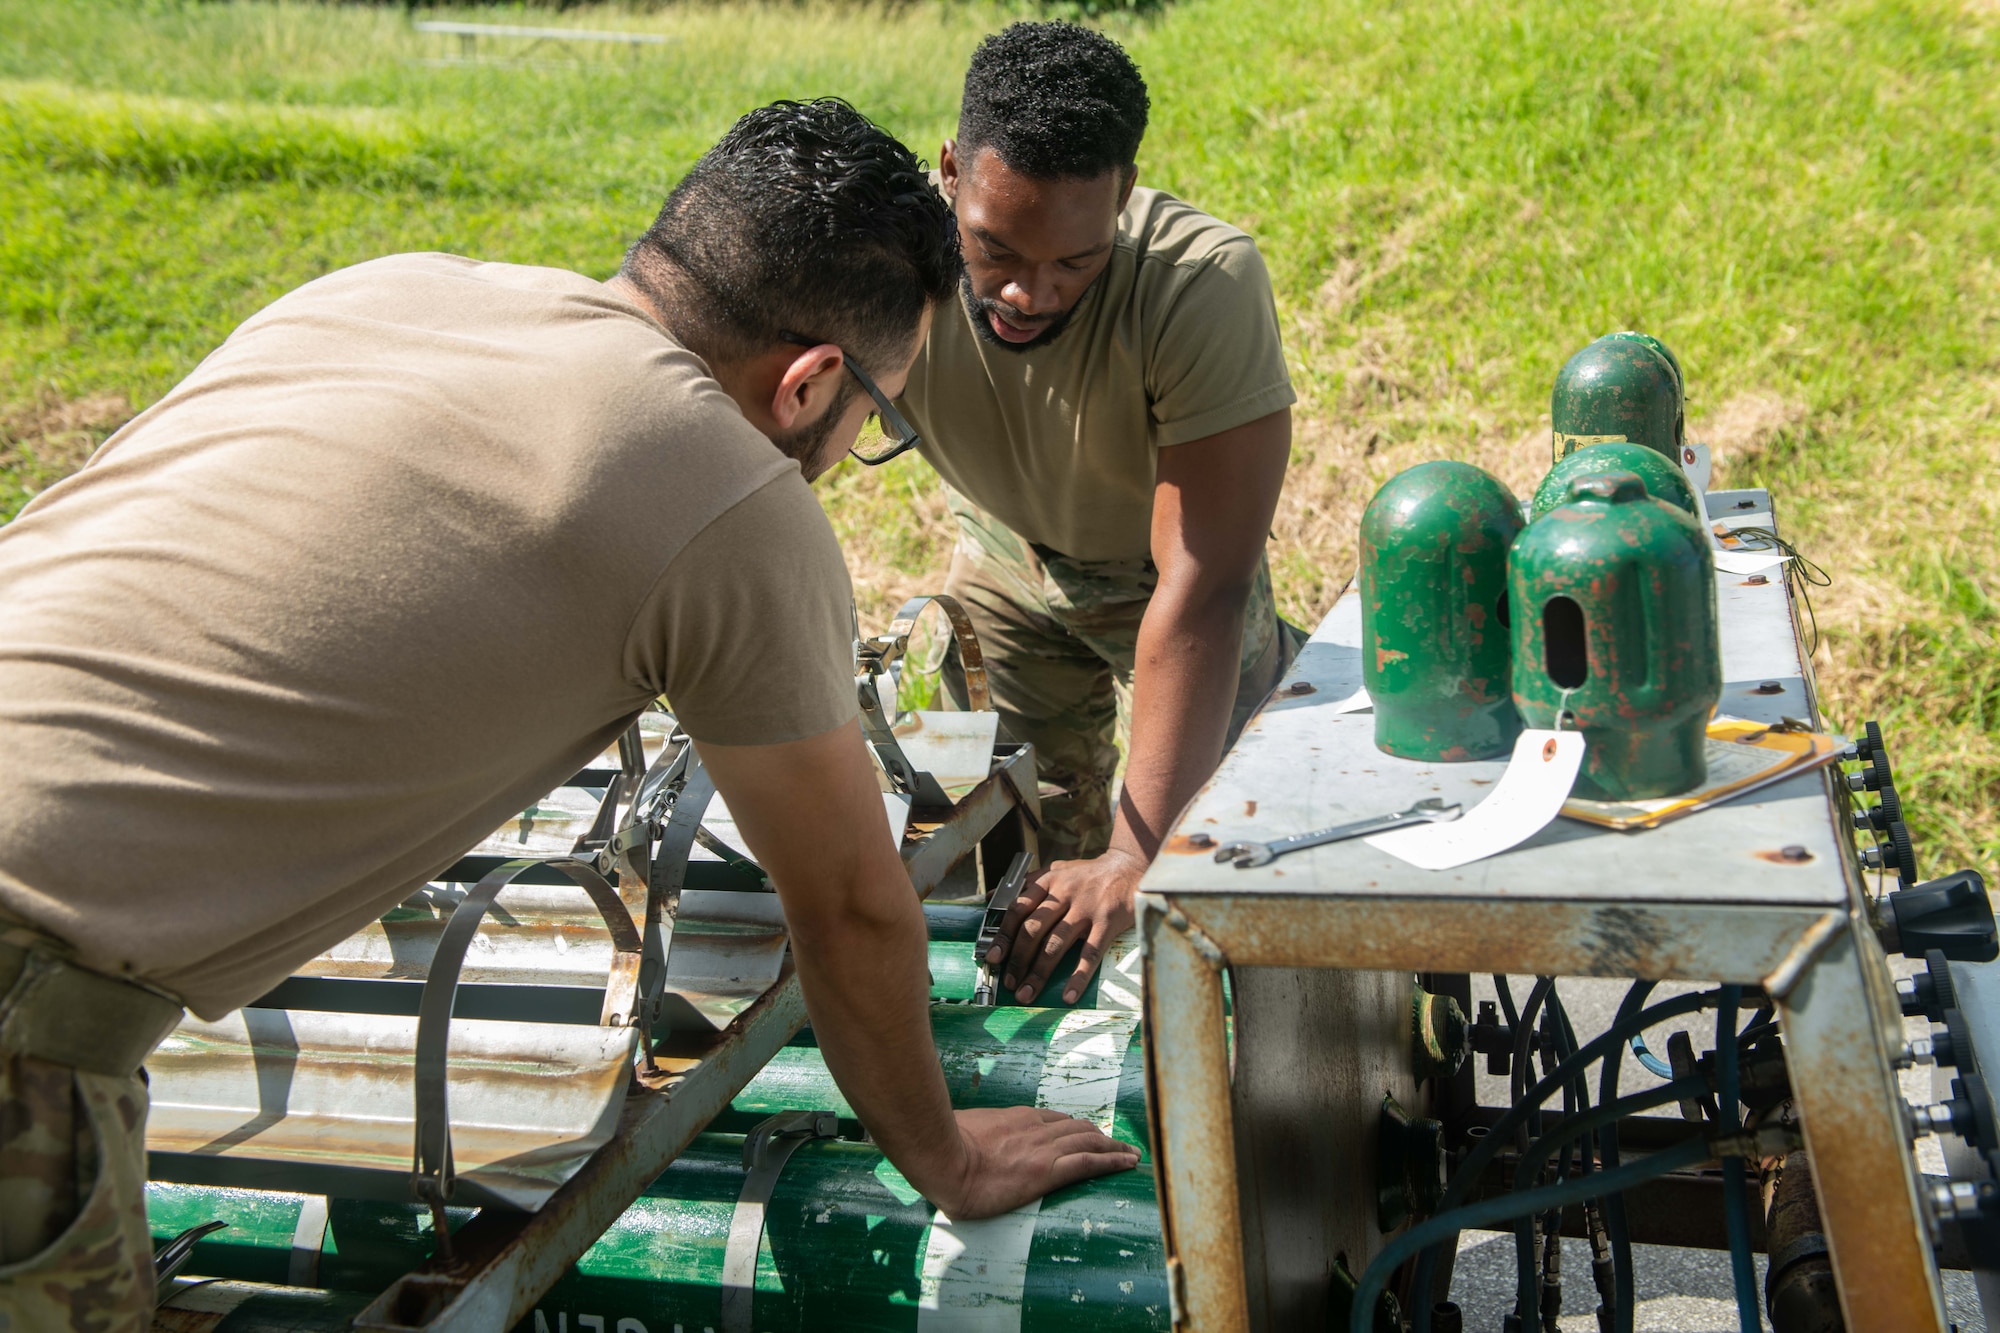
(1875, 777)
(1929, 992)
(1896, 854)
(1952, 915)
(1879, 817)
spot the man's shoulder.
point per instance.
(1161, 229)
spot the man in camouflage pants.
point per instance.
(1061, 638)
(74, 1243)
(1111, 410)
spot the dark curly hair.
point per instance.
(804, 218)
(1054, 100)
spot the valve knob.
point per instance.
(1879, 817)
(1952, 915)
(1897, 854)
(1930, 992)
(1875, 777)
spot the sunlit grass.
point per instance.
(1452, 197)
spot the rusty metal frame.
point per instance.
(1809, 943)
(1823, 967)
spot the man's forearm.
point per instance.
(1183, 687)
(868, 994)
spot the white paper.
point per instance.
(1528, 795)
(1696, 463)
(1354, 702)
(1748, 562)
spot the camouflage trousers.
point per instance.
(76, 1255)
(1061, 637)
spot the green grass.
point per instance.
(1452, 196)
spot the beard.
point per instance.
(807, 443)
(979, 309)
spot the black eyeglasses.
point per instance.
(899, 436)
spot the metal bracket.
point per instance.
(173, 1256)
(766, 1149)
(875, 656)
(1004, 896)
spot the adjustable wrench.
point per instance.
(1247, 854)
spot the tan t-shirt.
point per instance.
(1175, 341)
(401, 555)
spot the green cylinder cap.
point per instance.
(1666, 352)
(1435, 655)
(1663, 476)
(1618, 388)
(1614, 620)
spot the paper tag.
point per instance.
(1695, 462)
(1529, 795)
(1354, 702)
(1748, 562)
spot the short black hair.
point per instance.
(805, 218)
(1054, 100)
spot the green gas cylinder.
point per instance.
(1673, 362)
(1614, 620)
(847, 1245)
(1621, 387)
(1434, 613)
(1663, 476)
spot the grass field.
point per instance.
(1800, 198)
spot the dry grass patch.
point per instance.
(51, 436)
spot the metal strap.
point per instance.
(665, 879)
(766, 1149)
(874, 656)
(308, 1242)
(431, 1174)
(971, 661)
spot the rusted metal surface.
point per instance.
(1838, 1053)
(1690, 942)
(1306, 766)
(262, 1096)
(1762, 890)
(1307, 1117)
(505, 1261)
(1194, 1142)
(947, 843)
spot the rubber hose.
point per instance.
(1502, 1208)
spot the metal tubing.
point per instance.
(1194, 1139)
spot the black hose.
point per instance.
(1438, 1230)
(1603, 1046)
(1527, 1303)
(1735, 1190)
(1624, 1312)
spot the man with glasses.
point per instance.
(1110, 407)
(412, 546)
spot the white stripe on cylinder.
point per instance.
(975, 1272)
